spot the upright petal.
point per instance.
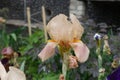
(48, 51)
(77, 27)
(81, 51)
(15, 74)
(60, 28)
(2, 71)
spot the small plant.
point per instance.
(28, 46)
(102, 52)
(101, 70)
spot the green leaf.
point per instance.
(51, 76)
(22, 67)
(13, 35)
(24, 49)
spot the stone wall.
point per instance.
(78, 8)
(53, 7)
(105, 12)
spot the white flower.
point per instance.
(97, 36)
(12, 74)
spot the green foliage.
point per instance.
(51, 76)
(10, 39)
(22, 66)
(31, 68)
(30, 46)
(23, 44)
(33, 41)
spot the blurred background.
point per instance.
(96, 16)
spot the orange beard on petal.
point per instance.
(76, 40)
(64, 46)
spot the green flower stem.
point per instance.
(64, 52)
(65, 64)
(99, 57)
(100, 67)
(4, 36)
(99, 60)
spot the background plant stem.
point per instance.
(99, 61)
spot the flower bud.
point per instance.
(97, 37)
(73, 62)
(7, 52)
(61, 77)
(106, 47)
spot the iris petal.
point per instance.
(2, 71)
(81, 51)
(48, 51)
(77, 27)
(60, 29)
(15, 74)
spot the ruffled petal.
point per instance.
(2, 71)
(48, 51)
(81, 51)
(60, 28)
(77, 27)
(15, 74)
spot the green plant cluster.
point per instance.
(30, 46)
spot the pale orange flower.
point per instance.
(66, 34)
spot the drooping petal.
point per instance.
(15, 74)
(48, 51)
(81, 51)
(2, 71)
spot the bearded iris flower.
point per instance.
(12, 74)
(65, 34)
